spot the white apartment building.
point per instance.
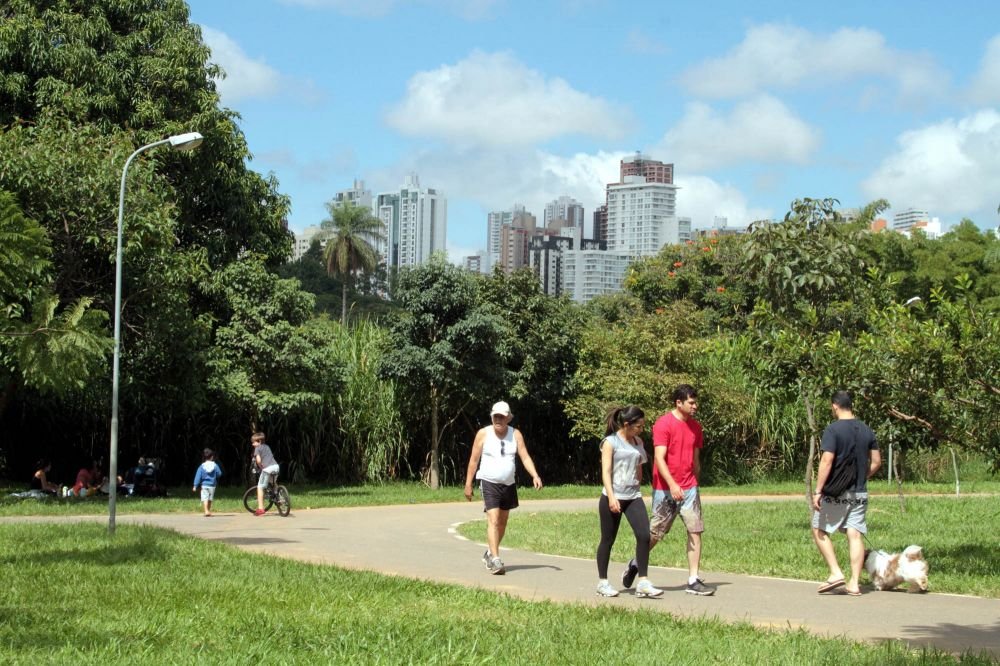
(564, 212)
(905, 221)
(590, 273)
(642, 217)
(302, 241)
(416, 222)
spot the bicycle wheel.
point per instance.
(282, 500)
(250, 500)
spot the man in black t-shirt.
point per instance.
(846, 512)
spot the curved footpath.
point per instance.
(419, 541)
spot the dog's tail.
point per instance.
(913, 553)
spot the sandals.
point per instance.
(853, 593)
(831, 585)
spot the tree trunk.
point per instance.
(343, 302)
(435, 476)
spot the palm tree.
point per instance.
(351, 231)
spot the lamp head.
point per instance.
(188, 141)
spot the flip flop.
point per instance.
(853, 593)
(831, 585)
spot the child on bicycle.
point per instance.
(268, 466)
(207, 477)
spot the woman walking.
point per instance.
(622, 457)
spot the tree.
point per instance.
(349, 247)
(41, 346)
(443, 351)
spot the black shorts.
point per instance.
(499, 496)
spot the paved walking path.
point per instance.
(419, 541)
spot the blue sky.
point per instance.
(497, 102)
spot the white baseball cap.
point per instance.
(501, 408)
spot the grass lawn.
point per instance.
(153, 596)
(228, 498)
(958, 535)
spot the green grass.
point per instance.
(228, 498)
(153, 596)
(774, 539)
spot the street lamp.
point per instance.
(186, 141)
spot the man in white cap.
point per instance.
(495, 447)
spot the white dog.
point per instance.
(889, 570)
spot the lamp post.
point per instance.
(186, 141)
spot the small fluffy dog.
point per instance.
(888, 570)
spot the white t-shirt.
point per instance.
(626, 458)
(497, 462)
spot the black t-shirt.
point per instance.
(838, 438)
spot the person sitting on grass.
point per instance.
(86, 480)
(40, 481)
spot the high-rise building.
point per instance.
(416, 221)
(546, 256)
(642, 217)
(600, 230)
(653, 171)
(303, 241)
(904, 220)
(592, 272)
(514, 240)
(563, 212)
(357, 195)
(494, 223)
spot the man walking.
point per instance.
(495, 446)
(846, 436)
(677, 442)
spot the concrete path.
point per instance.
(419, 541)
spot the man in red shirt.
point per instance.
(677, 441)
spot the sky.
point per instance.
(504, 102)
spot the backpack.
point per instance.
(844, 474)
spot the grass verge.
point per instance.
(774, 539)
(153, 596)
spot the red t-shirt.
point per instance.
(681, 439)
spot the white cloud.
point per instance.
(245, 77)
(985, 87)
(703, 199)
(948, 168)
(493, 99)
(774, 56)
(759, 130)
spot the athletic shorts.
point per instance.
(499, 496)
(266, 474)
(207, 493)
(666, 509)
(839, 513)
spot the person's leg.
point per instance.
(609, 531)
(638, 519)
(664, 513)
(856, 547)
(825, 546)
(496, 525)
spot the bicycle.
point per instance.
(274, 495)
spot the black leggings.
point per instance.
(635, 511)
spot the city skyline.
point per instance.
(754, 105)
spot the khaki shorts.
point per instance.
(666, 509)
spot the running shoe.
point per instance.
(631, 571)
(605, 590)
(497, 568)
(699, 588)
(646, 589)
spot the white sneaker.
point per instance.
(646, 589)
(605, 590)
(497, 568)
